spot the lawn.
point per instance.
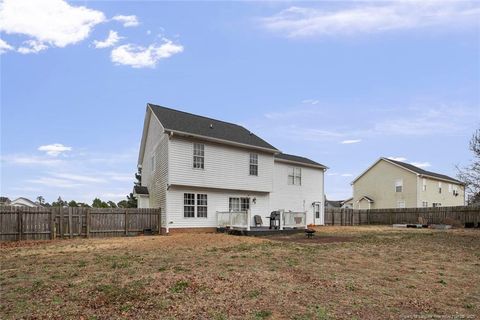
(356, 273)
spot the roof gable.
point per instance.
(411, 168)
(184, 122)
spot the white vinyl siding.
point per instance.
(298, 198)
(401, 204)
(218, 200)
(424, 184)
(225, 167)
(439, 187)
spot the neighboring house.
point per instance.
(24, 202)
(333, 204)
(347, 204)
(394, 184)
(193, 167)
(4, 201)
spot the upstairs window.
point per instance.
(424, 181)
(198, 156)
(450, 188)
(399, 185)
(253, 164)
(295, 176)
(439, 187)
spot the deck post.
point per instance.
(281, 222)
(306, 223)
(230, 219)
(249, 214)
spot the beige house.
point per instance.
(394, 184)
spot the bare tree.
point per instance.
(470, 174)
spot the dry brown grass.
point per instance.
(380, 273)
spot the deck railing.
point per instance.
(234, 219)
(292, 219)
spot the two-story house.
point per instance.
(194, 166)
(394, 184)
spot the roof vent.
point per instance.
(211, 125)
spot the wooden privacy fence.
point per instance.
(24, 223)
(350, 217)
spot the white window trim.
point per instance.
(199, 156)
(296, 174)
(399, 183)
(254, 157)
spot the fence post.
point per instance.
(52, 224)
(20, 223)
(70, 222)
(60, 210)
(126, 222)
(159, 219)
(88, 223)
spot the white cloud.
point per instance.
(346, 175)
(128, 21)
(33, 46)
(30, 160)
(401, 159)
(78, 177)
(54, 149)
(48, 22)
(4, 47)
(54, 182)
(111, 40)
(368, 18)
(310, 101)
(351, 141)
(332, 174)
(141, 57)
(421, 164)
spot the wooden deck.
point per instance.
(259, 231)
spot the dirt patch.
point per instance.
(313, 240)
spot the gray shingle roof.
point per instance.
(190, 123)
(291, 157)
(423, 172)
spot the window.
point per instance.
(436, 204)
(189, 205)
(399, 185)
(439, 187)
(199, 156)
(239, 204)
(450, 188)
(253, 164)
(401, 204)
(201, 205)
(424, 204)
(295, 176)
(424, 181)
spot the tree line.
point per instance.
(130, 202)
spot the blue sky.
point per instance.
(342, 83)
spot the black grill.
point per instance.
(274, 220)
